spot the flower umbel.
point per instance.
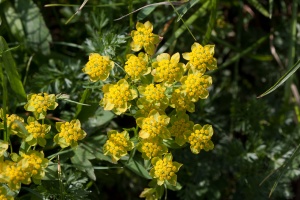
(14, 123)
(195, 86)
(167, 69)
(155, 125)
(181, 127)
(117, 145)
(144, 38)
(37, 132)
(200, 138)
(154, 94)
(201, 58)
(136, 66)
(40, 103)
(164, 169)
(116, 96)
(98, 67)
(152, 147)
(69, 133)
(181, 102)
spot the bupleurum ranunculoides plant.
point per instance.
(157, 91)
(28, 165)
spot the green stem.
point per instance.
(4, 103)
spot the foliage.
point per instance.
(159, 101)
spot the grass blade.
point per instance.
(287, 75)
(259, 7)
(211, 23)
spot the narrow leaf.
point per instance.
(185, 7)
(282, 79)
(137, 168)
(259, 7)
(8, 63)
(211, 23)
(145, 12)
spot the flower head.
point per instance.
(164, 169)
(155, 125)
(200, 138)
(144, 38)
(40, 103)
(117, 145)
(69, 133)
(14, 123)
(154, 94)
(167, 69)
(116, 96)
(195, 86)
(181, 128)
(152, 147)
(37, 132)
(201, 58)
(181, 102)
(136, 66)
(98, 67)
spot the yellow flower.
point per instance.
(117, 145)
(167, 69)
(14, 124)
(40, 103)
(155, 125)
(152, 147)
(14, 173)
(181, 102)
(195, 86)
(164, 169)
(144, 38)
(201, 58)
(154, 94)
(136, 66)
(181, 127)
(200, 138)
(116, 96)
(37, 132)
(36, 164)
(69, 133)
(4, 195)
(98, 67)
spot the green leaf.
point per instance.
(51, 172)
(81, 161)
(177, 187)
(211, 23)
(13, 21)
(145, 12)
(8, 63)
(137, 168)
(282, 79)
(37, 34)
(185, 7)
(260, 8)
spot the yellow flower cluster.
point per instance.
(158, 92)
(40, 103)
(26, 167)
(117, 145)
(98, 67)
(69, 133)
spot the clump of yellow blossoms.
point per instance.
(167, 69)
(98, 67)
(180, 102)
(195, 86)
(37, 132)
(152, 147)
(137, 66)
(164, 169)
(154, 94)
(201, 58)
(155, 125)
(117, 145)
(69, 133)
(181, 128)
(144, 38)
(200, 138)
(25, 167)
(40, 103)
(116, 96)
(14, 123)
